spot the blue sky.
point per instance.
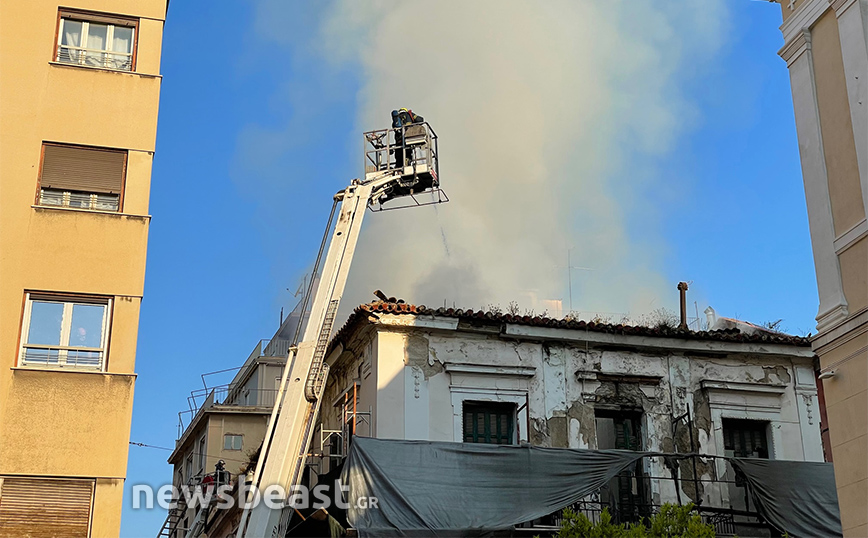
(256, 137)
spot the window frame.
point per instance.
(126, 154)
(630, 486)
(634, 417)
(741, 425)
(233, 436)
(68, 301)
(202, 454)
(85, 16)
(188, 467)
(490, 409)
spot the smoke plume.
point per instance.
(548, 114)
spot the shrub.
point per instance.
(672, 521)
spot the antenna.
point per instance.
(569, 267)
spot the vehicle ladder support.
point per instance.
(393, 170)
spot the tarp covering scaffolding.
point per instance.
(426, 488)
(796, 497)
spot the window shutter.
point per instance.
(97, 17)
(45, 507)
(82, 169)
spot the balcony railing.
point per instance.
(227, 395)
(723, 501)
(79, 200)
(235, 393)
(62, 356)
(276, 347)
(95, 58)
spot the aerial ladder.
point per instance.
(400, 163)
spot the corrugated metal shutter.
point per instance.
(45, 507)
(82, 169)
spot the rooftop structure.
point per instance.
(470, 376)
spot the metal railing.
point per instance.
(411, 147)
(62, 356)
(69, 54)
(79, 200)
(722, 501)
(224, 395)
(234, 393)
(276, 347)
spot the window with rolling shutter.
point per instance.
(45, 507)
(81, 177)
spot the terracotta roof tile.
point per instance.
(400, 307)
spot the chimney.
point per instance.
(682, 288)
(711, 318)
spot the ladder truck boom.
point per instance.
(399, 162)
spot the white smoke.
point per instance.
(547, 114)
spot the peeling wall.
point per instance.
(422, 375)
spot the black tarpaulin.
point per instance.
(796, 497)
(426, 488)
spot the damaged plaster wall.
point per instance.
(422, 376)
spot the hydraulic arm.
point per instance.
(398, 169)
(283, 458)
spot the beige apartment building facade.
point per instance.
(826, 50)
(79, 94)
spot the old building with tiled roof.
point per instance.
(404, 371)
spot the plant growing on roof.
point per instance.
(672, 521)
(493, 308)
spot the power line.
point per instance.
(143, 445)
(150, 446)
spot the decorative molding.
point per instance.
(418, 321)
(745, 400)
(417, 374)
(794, 49)
(854, 234)
(833, 304)
(525, 332)
(482, 369)
(619, 377)
(832, 316)
(805, 378)
(840, 6)
(841, 333)
(805, 15)
(742, 387)
(809, 407)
